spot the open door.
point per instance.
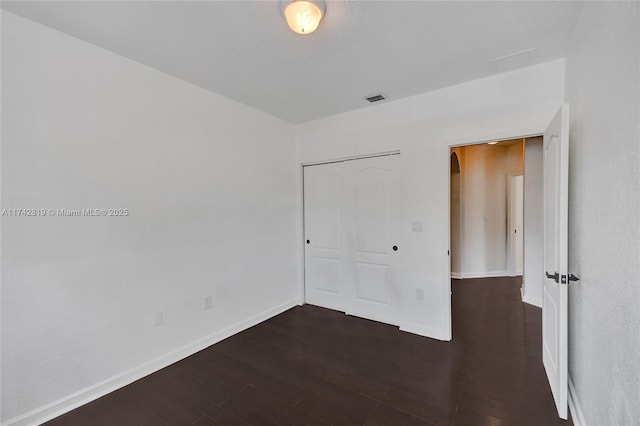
(555, 291)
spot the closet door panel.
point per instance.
(373, 212)
(324, 234)
(351, 218)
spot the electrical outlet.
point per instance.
(419, 294)
(207, 302)
(158, 319)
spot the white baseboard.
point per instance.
(456, 275)
(574, 406)
(486, 274)
(424, 331)
(88, 394)
(535, 301)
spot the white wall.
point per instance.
(603, 82)
(423, 128)
(533, 223)
(211, 189)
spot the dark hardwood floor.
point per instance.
(311, 365)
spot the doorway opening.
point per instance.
(483, 203)
(496, 212)
(455, 254)
(545, 159)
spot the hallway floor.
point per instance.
(311, 365)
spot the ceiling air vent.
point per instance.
(375, 97)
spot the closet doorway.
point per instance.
(351, 223)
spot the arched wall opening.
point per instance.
(455, 234)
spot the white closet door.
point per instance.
(372, 188)
(351, 216)
(324, 234)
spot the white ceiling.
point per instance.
(244, 50)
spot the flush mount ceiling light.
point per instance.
(303, 16)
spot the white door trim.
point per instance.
(512, 270)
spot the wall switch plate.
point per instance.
(416, 226)
(207, 302)
(158, 320)
(419, 294)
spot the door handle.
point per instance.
(555, 276)
(395, 248)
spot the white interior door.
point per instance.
(372, 216)
(555, 290)
(517, 224)
(324, 234)
(351, 212)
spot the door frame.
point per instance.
(468, 142)
(510, 223)
(459, 275)
(540, 133)
(301, 293)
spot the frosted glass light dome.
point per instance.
(303, 16)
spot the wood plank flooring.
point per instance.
(315, 366)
